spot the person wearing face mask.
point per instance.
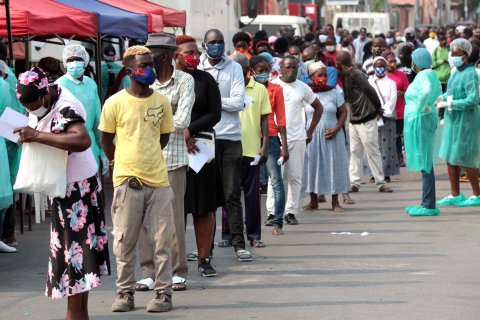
(241, 42)
(365, 107)
(204, 192)
(178, 87)
(401, 81)
(460, 138)
(378, 47)
(79, 237)
(140, 120)
(277, 148)
(389, 39)
(326, 169)
(228, 144)
(254, 121)
(109, 71)
(294, 51)
(421, 122)
(75, 58)
(431, 43)
(330, 49)
(386, 90)
(296, 95)
(358, 44)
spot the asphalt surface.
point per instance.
(372, 261)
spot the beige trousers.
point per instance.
(364, 139)
(148, 209)
(178, 183)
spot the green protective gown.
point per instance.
(108, 67)
(86, 92)
(460, 139)
(14, 150)
(421, 121)
(6, 191)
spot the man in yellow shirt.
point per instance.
(141, 120)
(254, 119)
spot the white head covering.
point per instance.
(3, 68)
(379, 58)
(75, 50)
(462, 44)
(314, 66)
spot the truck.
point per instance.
(374, 22)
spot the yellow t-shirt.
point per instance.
(251, 118)
(138, 124)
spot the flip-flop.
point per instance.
(179, 284)
(146, 284)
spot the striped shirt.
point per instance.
(180, 92)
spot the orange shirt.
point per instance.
(277, 117)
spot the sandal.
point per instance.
(385, 189)
(179, 284)
(257, 244)
(146, 284)
(277, 231)
(225, 243)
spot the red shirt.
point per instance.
(277, 117)
(402, 83)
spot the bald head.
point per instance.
(308, 53)
(344, 59)
(213, 34)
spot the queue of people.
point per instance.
(317, 115)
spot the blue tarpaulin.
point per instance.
(112, 21)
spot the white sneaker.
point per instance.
(7, 249)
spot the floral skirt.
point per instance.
(78, 241)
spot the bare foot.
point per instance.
(337, 208)
(347, 199)
(277, 231)
(310, 206)
(321, 198)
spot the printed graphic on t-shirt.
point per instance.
(154, 115)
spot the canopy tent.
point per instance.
(31, 18)
(112, 21)
(153, 12)
(172, 17)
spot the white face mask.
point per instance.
(330, 48)
(40, 112)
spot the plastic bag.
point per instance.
(43, 169)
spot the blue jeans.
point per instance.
(276, 180)
(428, 188)
(263, 175)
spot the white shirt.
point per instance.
(296, 94)
(387, 93)
(358, 45)
(431, 44)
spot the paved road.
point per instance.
(405, 268)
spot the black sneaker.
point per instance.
(269, 221)
(291, 219)
(206, 269)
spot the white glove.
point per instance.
(439, 100)
(443, 104)
(105, 164)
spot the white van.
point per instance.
(271, 24)
(374, 22)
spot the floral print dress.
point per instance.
(78, 235)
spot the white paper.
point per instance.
(255, 160)
(280, 161)
(9, 121)
(197, 161)
(248, 101)
(363, 234)
(380, 122)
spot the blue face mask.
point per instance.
(76, 69)
(457, 62)
(380, 71)
(215, 51)
(399, 38)
(144, 76)
(261, 77)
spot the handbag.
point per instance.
(43, 169)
